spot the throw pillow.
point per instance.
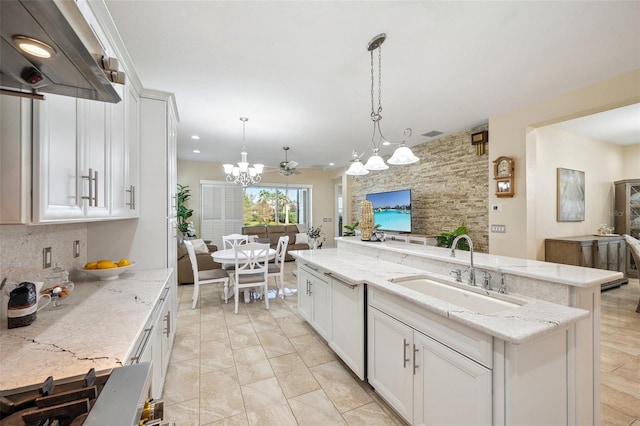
(199, 246)
(302, 239)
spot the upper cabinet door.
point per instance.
(15, 141)
(119, 153)
(95, 145)
(56, 176)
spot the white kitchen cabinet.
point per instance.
(125, 144)
(449, 388)
(56, 161)
(348, 321)
(94, 164)
(390, 362)
(425, 380)
(156, 339)
(15, 156)
(314, 298)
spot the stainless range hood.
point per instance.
(75, 69)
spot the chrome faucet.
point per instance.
(472, 271)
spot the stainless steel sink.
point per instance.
(466, 298)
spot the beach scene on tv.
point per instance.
(392, 210)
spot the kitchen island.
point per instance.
(100, 325)
(543, 351)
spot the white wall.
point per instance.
(602, 162)
(191, 172)
(513, 134)
(631, 162)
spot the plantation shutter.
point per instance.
(221, 210)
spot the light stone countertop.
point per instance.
(519, 325)
(554, 272)
(96, 326)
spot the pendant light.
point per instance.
(243, 174)
(402, 155)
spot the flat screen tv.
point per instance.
(392, 210)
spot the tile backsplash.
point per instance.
(21, 250)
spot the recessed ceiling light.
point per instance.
(34, 47)
(196, 137)
(196, 151)
(332, 164)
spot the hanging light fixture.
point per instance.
(243, 174)
(402, 155)
(356, 168)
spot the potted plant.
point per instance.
(445, 239)
(350, 230)
(315, 233)
(183, 213)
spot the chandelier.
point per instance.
(402, 155)
(243, 174)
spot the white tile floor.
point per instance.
(260, 367)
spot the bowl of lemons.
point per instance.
(106, 269)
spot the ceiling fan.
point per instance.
(288, 168)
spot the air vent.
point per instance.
(432, 134)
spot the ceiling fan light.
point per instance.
(375, 162)
(403, 155)
(357, 169)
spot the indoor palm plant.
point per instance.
(183, 213)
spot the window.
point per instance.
(272, 205)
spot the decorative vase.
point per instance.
(314, 246)
(366, 220)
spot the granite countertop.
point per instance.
(532, 319)
(554, 272)
(95, 327)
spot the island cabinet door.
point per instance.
(347, 304)
(390, 361)
(321, 310)
(304, 293)
(449, 388)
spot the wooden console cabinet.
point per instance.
(590, 251)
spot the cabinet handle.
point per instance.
(95, 188)
(415, 356)
(351, 286)
(166, 292)
(91, 178)
(310, 267)
(132, 197)
(309, 283)
(168, 318)
(143, 346)
(404, 353)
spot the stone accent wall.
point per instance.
(449, 187)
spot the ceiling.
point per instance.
(300, 70)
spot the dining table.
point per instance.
(228, 256)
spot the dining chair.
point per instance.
(251, 270)
(205, 277)
(232, 240)
(276, 269)
(229, 242)
(634, 247)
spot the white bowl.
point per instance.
(108, 274)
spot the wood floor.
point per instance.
(620, 356)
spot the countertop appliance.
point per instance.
(112, 397)
(77, 65)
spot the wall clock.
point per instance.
(503, 174)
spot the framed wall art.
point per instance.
(571, 203)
